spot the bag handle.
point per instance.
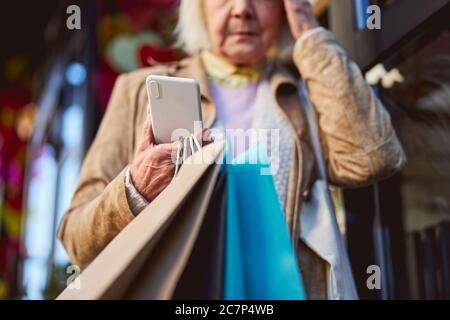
(187, 147)
(313, 129)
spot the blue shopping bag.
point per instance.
(260, 262)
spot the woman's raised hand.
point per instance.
(300, 17)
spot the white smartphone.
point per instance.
(174, 106)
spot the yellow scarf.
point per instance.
(224, 73)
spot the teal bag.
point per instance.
(260, 262)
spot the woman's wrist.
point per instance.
(307, 34)
(136, 201)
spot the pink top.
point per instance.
(235, 106)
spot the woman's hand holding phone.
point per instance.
(153, 166)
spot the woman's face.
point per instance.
(242, 31)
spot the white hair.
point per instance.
(192, 34)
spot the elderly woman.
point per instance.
(235, 48)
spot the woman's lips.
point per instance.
(244, 35)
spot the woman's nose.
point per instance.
(242, 9)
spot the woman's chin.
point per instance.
(245, 55)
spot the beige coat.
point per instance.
(358, 140)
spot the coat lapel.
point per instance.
(284, 89)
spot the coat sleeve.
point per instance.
(359, 142)
(99, 209)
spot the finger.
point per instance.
(297, 6)
(158, 158)
(167, 151)
(151, 136)
(204, 137)
(307, 6)
(147, 138)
